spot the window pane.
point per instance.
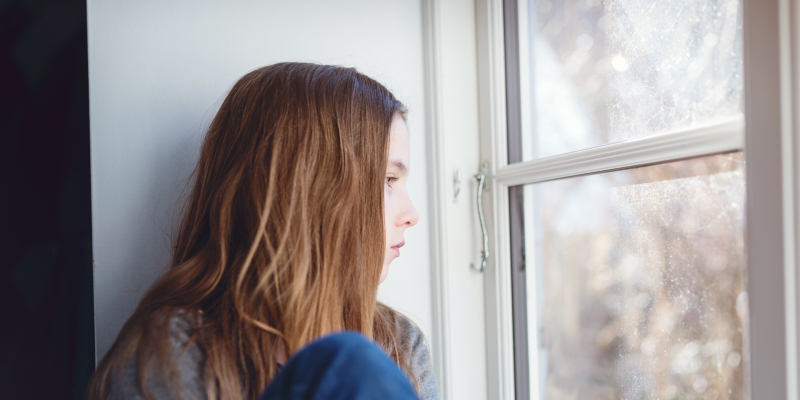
(636, 282)
(600, 71)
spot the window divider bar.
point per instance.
(701, 140)
(519, 298)
(513, 106)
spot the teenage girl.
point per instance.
(298, 207)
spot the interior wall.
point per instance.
(158, 71)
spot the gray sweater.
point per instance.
(125, 386)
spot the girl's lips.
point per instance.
(397, 247)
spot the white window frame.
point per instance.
(772, 139)
(458, 341)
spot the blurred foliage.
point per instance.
(644, 289)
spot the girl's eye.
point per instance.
(390, 179)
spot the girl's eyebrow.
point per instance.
(401, 168)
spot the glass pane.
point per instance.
(600, 71)
(636, 283)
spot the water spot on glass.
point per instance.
(584, 42)
(734, 359)
(642, 300)
(619, 63)
(700, 385)
(711, 39)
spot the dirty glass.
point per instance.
(636, 283)
(595, 72)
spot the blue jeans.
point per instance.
(338, 367)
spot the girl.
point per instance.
(297, 208)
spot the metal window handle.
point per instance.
(481, 177)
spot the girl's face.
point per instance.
(399, 213)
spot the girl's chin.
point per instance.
(385, 271)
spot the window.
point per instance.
(595, 72)
(637, 282)
(626, 198)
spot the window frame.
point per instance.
(772, 111)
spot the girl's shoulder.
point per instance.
(413, 342)
(186, 354)
(182, 326)
(408, 332)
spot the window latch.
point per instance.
(481, 177)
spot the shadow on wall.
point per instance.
(47, 339)
(146, 254)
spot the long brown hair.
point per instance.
(282, 235)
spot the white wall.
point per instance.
(158, 71)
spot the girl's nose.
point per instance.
(409, 216)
